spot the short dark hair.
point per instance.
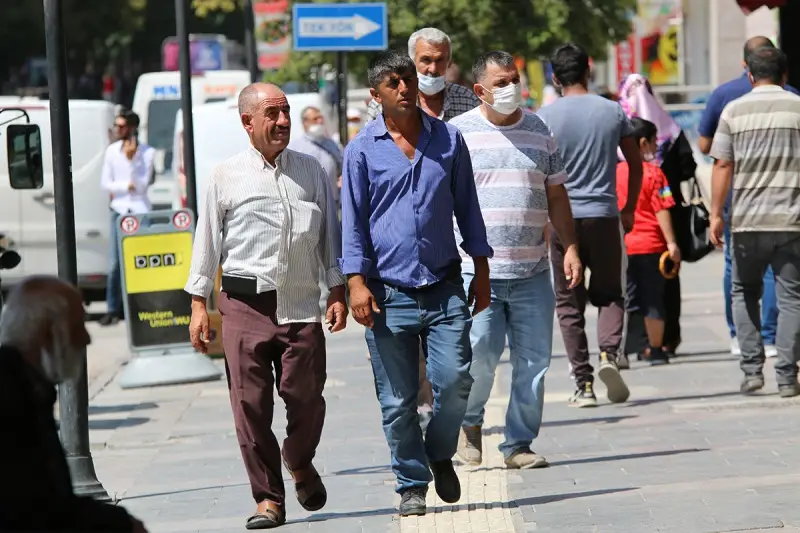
(570, 64)
(495, 57)
(643, 129)
(754, 43)
(131, 118)
(387, 63)
(768, 64)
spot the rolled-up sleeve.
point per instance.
(355, 213)
(207, 243)
(466, 206)
(332, 233)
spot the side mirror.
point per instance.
(24, 148)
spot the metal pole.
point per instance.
(73, 397)
(341, 90)
(250, 41)
(181, 14)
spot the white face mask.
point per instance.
(430, 85)
(506, 99)
(316, 131)
(62, 362)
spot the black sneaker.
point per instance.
(445, 479)
(109, 319)
(751, 384)
(658, 357)
(412, 501)
(584, 397)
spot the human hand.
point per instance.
(337, 310)
(717, 230)
(573, 269)
(362, 305)
(626, 218)
(480, 292)
(199, 328)
(674, 253)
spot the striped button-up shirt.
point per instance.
(277, 224)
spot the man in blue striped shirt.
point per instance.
(405, 177)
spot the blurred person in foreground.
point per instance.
(721, 97)
(675, 157)
(652, 235)
(42, 338)
(756, 151)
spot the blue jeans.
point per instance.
(438, 315)
(523, 310)
(769, 304)
(114, 282)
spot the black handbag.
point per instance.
(691, 222)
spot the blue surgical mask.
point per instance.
(430, 85)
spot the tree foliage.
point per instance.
(529, 28)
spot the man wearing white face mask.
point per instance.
(430, 48)
(317, 143)
(519, 177)
(42, 334)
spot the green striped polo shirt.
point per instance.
(760, 134)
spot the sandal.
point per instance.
(311, 493)
(267, 519)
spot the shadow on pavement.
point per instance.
(626, 456)
(498, 430)
(550, 498)
(650, 401)
(117, 423)
(375, 469)
(183, 491)
(101, 409)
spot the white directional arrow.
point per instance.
(354, 27)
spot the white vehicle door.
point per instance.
(10, 205)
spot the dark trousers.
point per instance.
(752, 252)
(636, 336)
(601, 251)
(255, 344)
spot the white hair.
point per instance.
(35, 305)
(431, 35)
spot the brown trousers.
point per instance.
(600, 246)
(255, 344)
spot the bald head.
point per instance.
(754, 43)
(255, 93)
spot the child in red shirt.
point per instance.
(651, 236)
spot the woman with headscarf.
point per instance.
(676, 159)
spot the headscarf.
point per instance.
(637, 100)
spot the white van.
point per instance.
(157, 100)
(27, 217)
(218, 135)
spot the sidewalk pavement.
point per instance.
(687, 454)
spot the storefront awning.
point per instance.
(751, 5)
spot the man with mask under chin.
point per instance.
(431, 50)
(42, 335)
(317, 142)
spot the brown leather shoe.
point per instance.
(268, 515)
(308, 486)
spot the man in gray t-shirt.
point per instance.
(588, 129)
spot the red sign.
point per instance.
(626, 58)
(181, 220)
(129, 225)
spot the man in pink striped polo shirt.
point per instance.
(519, 176)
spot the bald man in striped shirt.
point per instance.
(270, 215)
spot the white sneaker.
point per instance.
(735, 350)
(770, 350)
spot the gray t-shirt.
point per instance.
(587, 129)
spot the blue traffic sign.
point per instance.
(340, 27)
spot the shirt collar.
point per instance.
(767, 88)
(380, 124)
(260, 158)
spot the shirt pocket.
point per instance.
(306, 224)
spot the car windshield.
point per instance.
(161, 126)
